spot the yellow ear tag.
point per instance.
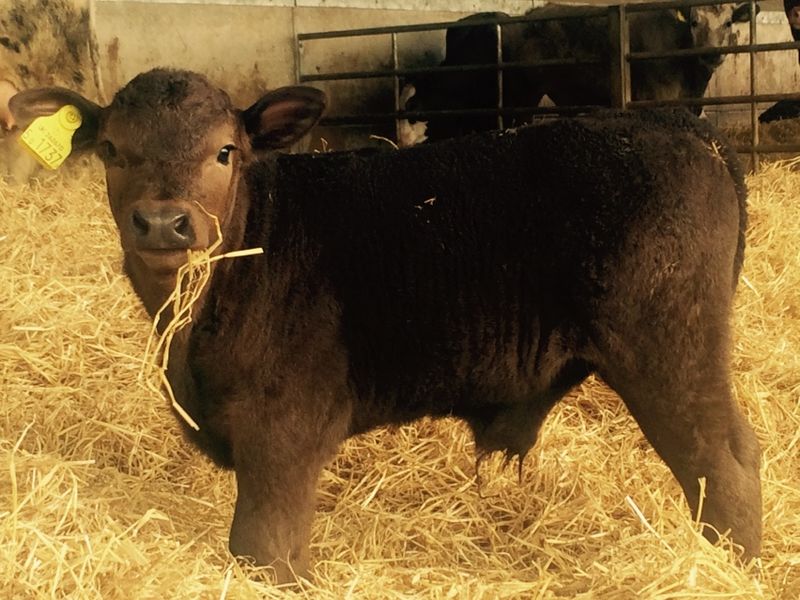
(49, 139)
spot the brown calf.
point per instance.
(609, 244)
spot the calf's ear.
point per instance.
(683, 14)
(283, 116)
(742, 13)
(41, 102)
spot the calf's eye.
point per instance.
(224, 156)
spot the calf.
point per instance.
(481, 278)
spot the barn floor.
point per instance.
(101, 498)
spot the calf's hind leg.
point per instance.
(682, 401)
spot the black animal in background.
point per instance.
(786, 109)
(562, 37)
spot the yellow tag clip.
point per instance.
(49, 139)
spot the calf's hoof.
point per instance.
(281, 571)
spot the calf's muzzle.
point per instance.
(162, 229)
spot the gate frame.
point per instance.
(619, 34)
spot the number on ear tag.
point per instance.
(49, 139)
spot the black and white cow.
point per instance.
(581, 38)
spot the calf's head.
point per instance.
(174, 148)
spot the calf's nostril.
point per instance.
(140, 224)
(181, 225)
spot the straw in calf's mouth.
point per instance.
(191, 280)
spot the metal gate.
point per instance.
(620, 65)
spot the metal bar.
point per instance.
(708, 51)
(625, 49)
(714, 100)
(632, 56)
(650, 6)
(298, 58)
(499, 61)
(371, 118)
(577, 13)
(444, 69)
(619, 71)
(753, 82)
(545, 110)
(768, 148)
(396, 85)
(617, 58)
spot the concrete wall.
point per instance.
(248, 44)
(248, 47)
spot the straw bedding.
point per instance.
(100, 497)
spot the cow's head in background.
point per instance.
(793, 14)
(712, 26)
(173, 146)
(43, 43)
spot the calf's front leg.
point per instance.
(277, 459)
(272, 519)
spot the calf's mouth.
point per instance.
(163, 261)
